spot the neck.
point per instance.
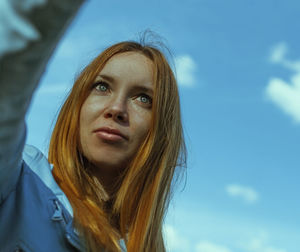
(109, 178)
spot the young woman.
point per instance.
(113, 152)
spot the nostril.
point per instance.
(120, 117)
(108, 115)
(117, 115)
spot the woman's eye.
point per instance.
(101, 86)
(145, 99)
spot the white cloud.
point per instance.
(285, 95)
(185, 70)
(175, 241)
(259, 241)
(278, 53)
(205, 246)
(248, 194)
(76, 48)
(54, 89)
(260, 244)
(278, 56)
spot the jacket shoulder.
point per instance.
(39, 164)
(33, 157)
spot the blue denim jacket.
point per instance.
(36, 216)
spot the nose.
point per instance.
(117, 110)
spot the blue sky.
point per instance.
(238, 67)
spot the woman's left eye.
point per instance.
(101, 86)
(145, 99)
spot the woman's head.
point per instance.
(116, 116)
(122, 116)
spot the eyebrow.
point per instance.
(106, 77)
(143, 89)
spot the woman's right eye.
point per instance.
(101, 86)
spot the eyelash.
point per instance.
(145, 96)
(102, 83)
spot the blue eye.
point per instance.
(101, 86)
(145, 99)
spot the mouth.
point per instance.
(110, 134)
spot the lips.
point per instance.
(110, 134)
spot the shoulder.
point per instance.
(35, 159)
(38, 163)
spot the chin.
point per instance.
(106, 161)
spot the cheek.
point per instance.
(142, 124)
(85, 120)
(82, 127)
(89, 110)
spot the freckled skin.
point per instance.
(119, 102)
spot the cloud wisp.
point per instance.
(278, 56)
(285, 94)
(185, 70)
(260, 243)
(54, 89)
(248, 194)
(175, 242)
(278, 53)
(206, 246)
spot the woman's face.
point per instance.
(115, 117)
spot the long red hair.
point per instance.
(137, 209)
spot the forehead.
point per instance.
(132, 65)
